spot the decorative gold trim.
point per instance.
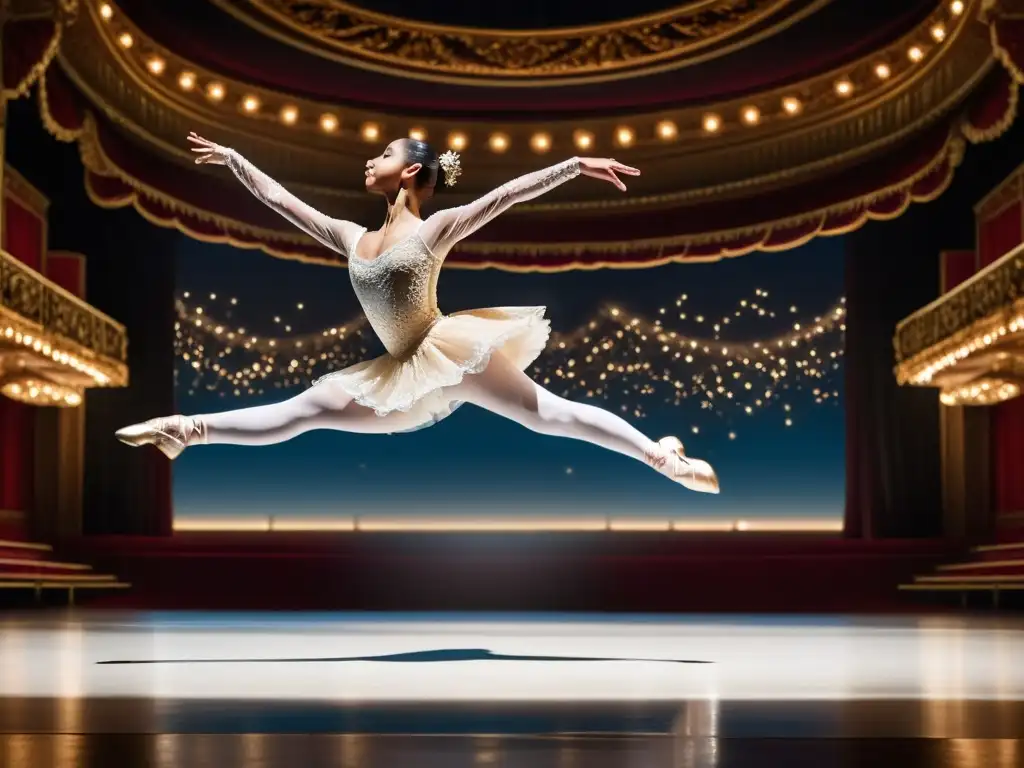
(1001, 126)
(817, 94)
(954, 326)
(133, 199)
(38, 68)
(52, 125)
(949, 155)
(649, 44)
(809, 137)
(42, 318)
(1002, 54)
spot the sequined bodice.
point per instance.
(398, 292)
(398, 289)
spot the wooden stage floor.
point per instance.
(84, 688)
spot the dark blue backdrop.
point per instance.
(476, 463)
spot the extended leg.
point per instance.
(505, 390)
(325, 406)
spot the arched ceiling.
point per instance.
(718, 101)
(520, 15)
(697, 52)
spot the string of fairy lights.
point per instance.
(626, 360)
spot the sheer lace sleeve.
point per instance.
(337, 234)
(445, 228)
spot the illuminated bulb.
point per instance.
(624, 136)
(938, 33)
(751, 115)
(418, 133)
(791, 104)
(370, 132)
(540, 142)
(457, 141)
(328, 123)
(250, 104)
(915, 53)
(156, 65)
(667, 130)
(844, 87)
(125, 40)
(215, 91)
(882, 71)
(187, 81)
(712, 123)
(107, 13)
(498, 142)
(583, 139)
(957, 7)
(289, 115)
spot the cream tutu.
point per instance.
(457, 344)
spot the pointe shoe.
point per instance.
(170, 434)
(670, 459)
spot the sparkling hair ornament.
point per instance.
(451, 166)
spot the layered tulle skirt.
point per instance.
(456, 345)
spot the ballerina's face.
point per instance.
(390, 171)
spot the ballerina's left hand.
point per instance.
(606, 169)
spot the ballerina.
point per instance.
(434, 362)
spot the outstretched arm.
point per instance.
(445, 228)
(336, 234)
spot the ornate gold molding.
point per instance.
(667, 39)
(41, 319)
(818, 98)
(975, 318)
(828, 132)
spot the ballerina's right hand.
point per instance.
(207, 151)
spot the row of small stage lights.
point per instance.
(541, 141)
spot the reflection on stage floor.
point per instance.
(183, 689)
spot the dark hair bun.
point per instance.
(417, 151)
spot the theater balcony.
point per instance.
(53, 344)
(969, 343)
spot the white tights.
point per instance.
(500, 388)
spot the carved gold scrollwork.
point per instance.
(472, 52)
(44, 305)
(955, 312)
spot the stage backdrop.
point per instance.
(741, 359)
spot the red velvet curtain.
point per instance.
(996, 236)
(68, 271)
(17, 443)
(23, 238)
(957, 266)
(24, 234)
(1008, 456)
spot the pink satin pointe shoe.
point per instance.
(670, 459)
(170, 434)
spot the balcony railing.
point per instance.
(68, 327)
(977, 314)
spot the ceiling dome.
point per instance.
(758, 123)
(518, 15)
